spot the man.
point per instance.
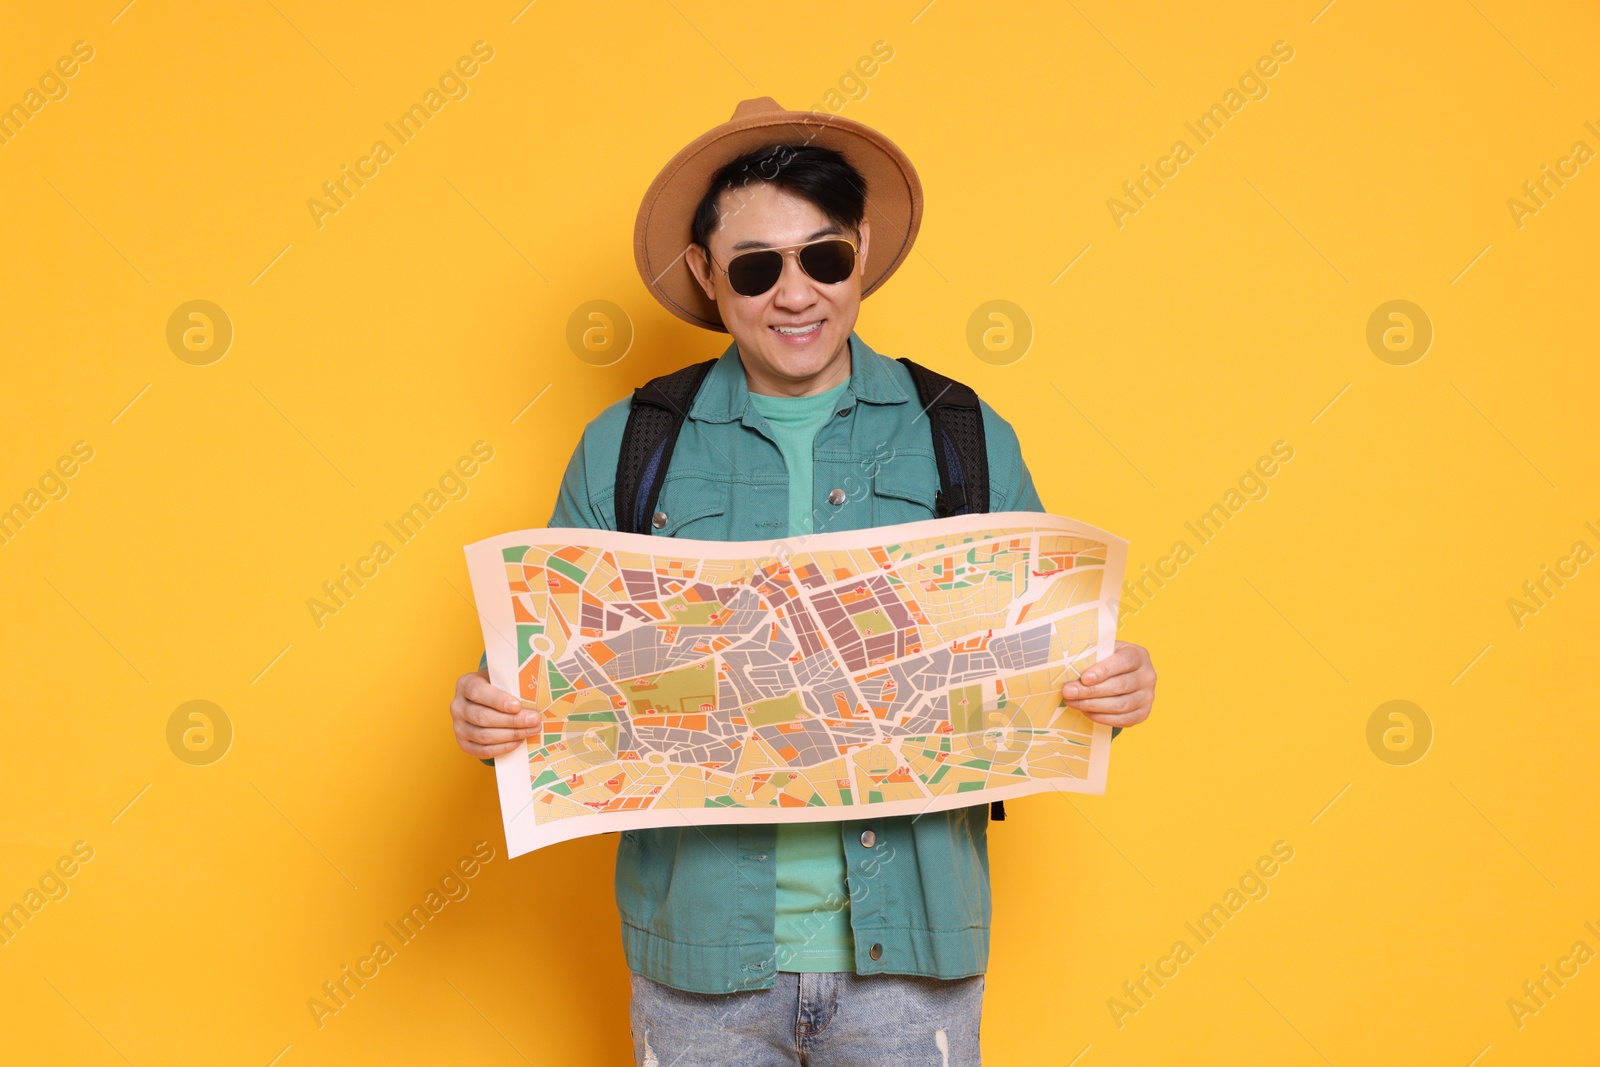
(856, 942)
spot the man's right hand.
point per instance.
(489, 721)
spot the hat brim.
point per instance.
(663, 229)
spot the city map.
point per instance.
(890, 671)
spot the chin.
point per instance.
(800, 364)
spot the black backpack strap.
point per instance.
(961, 454)
(659, 408)
(959, 449)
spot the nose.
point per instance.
(795, 290)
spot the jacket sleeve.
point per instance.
(1010, 482)
(575, 506)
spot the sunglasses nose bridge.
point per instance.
(793, 278)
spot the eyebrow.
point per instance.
(826, 231)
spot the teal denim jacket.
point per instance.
(697, 903)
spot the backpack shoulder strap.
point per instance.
(959, 449)
(961, 454)
(657, 413)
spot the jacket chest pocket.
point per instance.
(904, 490)
(693, 507)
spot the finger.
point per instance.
(479, 691)
(479, 735)
(1121, 661)
(1116, 685)
(495, 707)
(1127, 718)
(482, 715)
(1116, 704)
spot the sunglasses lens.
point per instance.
(828, 262)
(753, 273)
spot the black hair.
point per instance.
(817, 174)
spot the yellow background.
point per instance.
(1228, 314)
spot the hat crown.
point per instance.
(755, 106)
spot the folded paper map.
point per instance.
(889, 671)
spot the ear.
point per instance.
(695, 257)
(866, 237)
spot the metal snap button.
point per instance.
(836, 497)
(868, 838)
(876, 952)
(659, 519)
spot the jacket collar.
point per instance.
(725, 395)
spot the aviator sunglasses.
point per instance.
(828, 261)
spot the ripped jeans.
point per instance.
(811, 1020)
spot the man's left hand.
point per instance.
(1119, 690)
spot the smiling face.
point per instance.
(778, 361)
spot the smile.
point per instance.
(798, 331)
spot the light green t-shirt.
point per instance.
(813, 922)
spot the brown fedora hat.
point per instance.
(662, 231)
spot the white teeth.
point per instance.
(795, 331)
